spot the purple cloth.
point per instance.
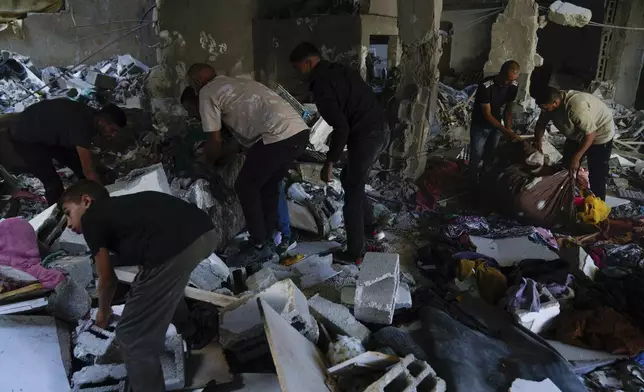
(525, 296)
(19, 250)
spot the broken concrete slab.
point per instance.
(69, 301)
(31, 357)
(91, 345)
(97, 374)
(72, 243)
(314, 248)
(348, 296)
(567, 14)
(542, 319)
(377, 287)
(300, 365)
(508, 251)
(24, 306)
(206, 365)
(243, 322)
(366, 362)
(79, 268)
(315, 269)
(338, 319)
(210, 273)
(403, 297)
(301, 217)
(261, 280)
(151, 178)
(173, 363)
(579, 260)
(100, 80)
(410, 374)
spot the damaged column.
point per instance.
(514, 37)
(418, 24)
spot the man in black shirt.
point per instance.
(62, 129)
(494, 92)
(349, 105)
(166, 237)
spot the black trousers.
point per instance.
(598, 166)
(358, 209)
(257, 185)
(38, 157)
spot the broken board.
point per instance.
(509, 251)
(300, 365)
(127, 274)
(369, 361)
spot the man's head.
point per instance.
(509, 72)
(549, 99)
(110, 120)
(77, 199)
(305, 57)
(190, 101)
(199, 75)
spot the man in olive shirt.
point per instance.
(589, 128)
(62, 129)
(163, 235)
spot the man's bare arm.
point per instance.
(539, 131)
(87, 164)
(107, 283)
(576, 159)
(507, 115)
(487, 114)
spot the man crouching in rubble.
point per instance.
(589, 128)
(493, 94)
(166, 237)
(62, 129)
(274, 133)
(349, 105)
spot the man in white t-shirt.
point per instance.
(589, 128)
(275, 135)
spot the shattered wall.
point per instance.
(470, 44)
(514, 37)
(339, 38)
(627, 52)
(58, 38)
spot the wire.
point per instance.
(106, 33)
(467, 12)
(478, 21)
(106, 23)
(595, 24)
(138, 36)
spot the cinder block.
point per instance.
(93, 344)
(403, 297)
(409, 375)
(173, 363)
(377, 287)
(243, 322)
(120, 387)
(100, 80)
(261, 280)
(338, 319)
(98, 374)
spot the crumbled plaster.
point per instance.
(214, 48)
(309, 22)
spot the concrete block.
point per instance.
(377, 287)
(120, 387)
(409, 375)
(538, 322)
(348, 296)
(338, 319)
(69, 301)
(93, 344)
(210, 273)
(100, 80)
(567, 14)
(151, 178)
(97, 374)
(403, 297)
(173, 363)
(243, 322)
(261, 280)
(79, 268)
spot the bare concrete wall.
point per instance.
(470, 43)
(338, 37)
(52, 39)
(377, 25)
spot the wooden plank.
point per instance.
(300, 365)
(127, 274)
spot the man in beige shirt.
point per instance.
(589, 128)
(275, 135)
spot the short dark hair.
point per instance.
(510, 65)
(189, 95)
(196, 68)
(548, 95)
(304, 51)
(114, 114)
(83, 187)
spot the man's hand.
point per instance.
(575, 163)
(326, 174)
(103, 317)
(510, 134)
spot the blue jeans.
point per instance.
(483, 143)
(283, 219)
